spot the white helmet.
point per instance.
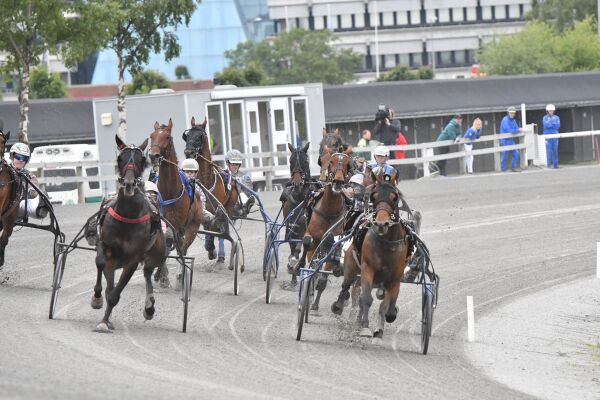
(234, 157)
(381, 151)
(150, 186)
(357, 178)
(550, 107)
(189, 164)
(20, 148)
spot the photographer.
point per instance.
(385, 130)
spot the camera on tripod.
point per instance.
(382, 113)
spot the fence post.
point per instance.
(268, 177)
(80, 195)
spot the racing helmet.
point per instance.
(150, 186)
(189, 164)
(550, 107)
(357, 178)
(234, 157)
(381, 151)
(21, 149)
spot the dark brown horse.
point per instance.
(10, 195)
(129, 234)
(329, 208)
(379, 256)
(197, 146)
(296, 192)
(333, 142)
(183, 213)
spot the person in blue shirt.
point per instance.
(551, 124)
(381, 155)
(469, 137)
(509, 125)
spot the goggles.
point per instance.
(21, 157)
(190, 171)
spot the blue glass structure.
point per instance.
(215, 26)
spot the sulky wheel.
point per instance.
(59, 269)
(237, 261)
(426, 318)
(268, 250)
(302, 306)
(271, 274)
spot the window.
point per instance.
(346, 21)
(460, 57)
(486, 12)
(359, 20)
(416, 60)
(387, 19)
(253, 122)
(279, 120)
(444, 57)
(404, 59)
(60, 187)
(401, 18)
(236, 127)
(500, 12)
(215, 128)
(458, 15)
(282, 148)
(301, 123)
(514, 11)
(444, 15)
(471, 13)
(319, 23)
(92, 172)
(389, 61)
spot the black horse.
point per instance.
(296, 191)
(130, 233)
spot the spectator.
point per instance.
(509, 125)
(470, 136)
(385, 131)
(399, 154)
(365, 139)
(551, 124)
(452, 131)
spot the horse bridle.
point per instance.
(340, 166)
(163, 155)
(298, 169)
(203, 134)
(131, 165)
(384, 205)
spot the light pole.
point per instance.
(432, 20)
(377, 39)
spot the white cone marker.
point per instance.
(470, 320)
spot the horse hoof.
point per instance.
(110, 326)
(149, 314)
(377, 341)
(366, 332)
(380, 294)
(378, 334)
(164, 282)
(97, 302)
(103, 327)
(336, 309)
(290, 286)
(314, 307)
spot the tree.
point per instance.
(528, 52)
(181, 72)
(45, 85)
(297, 56)
(562, 14)
(252, 75)
(30, 28)
(403, 73)
(139, 27)
(540, 48)
(145, 81)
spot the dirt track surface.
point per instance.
(497, 237)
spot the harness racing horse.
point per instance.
(183, 213)
(328, 210)
(379, 255)
(296, 191)
(333, 142)
(227, 193)
(10, 195)
(130, 233)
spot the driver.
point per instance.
(19, 156)
(190, 168)
(234, 160)
(381, 155)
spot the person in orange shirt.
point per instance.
(399, 154)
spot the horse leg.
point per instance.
(366, 299)
(7, 230)
(387, 310)
(355, 292)
(149, 303)
(113, 297)
(109, 274)
(338, 306)
(97, 300)
(321, 285)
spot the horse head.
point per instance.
(299, 165)
(161, 142)
(385, 197)
(131, 163)
(196, 139)
(3, 139)
(331, 141)
(335, 169)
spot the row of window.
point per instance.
(408, 18)
(455, 58)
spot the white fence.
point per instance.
(533, 148)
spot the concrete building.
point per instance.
(445, 34)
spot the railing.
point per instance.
(529, 151)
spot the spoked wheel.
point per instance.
(426, 318)
(302, 306)
(266, 255)
(186, 290)
(237, 268)
(59, 269)
(271, 274)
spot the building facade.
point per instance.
(445, 34)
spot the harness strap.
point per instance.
(126, 220)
